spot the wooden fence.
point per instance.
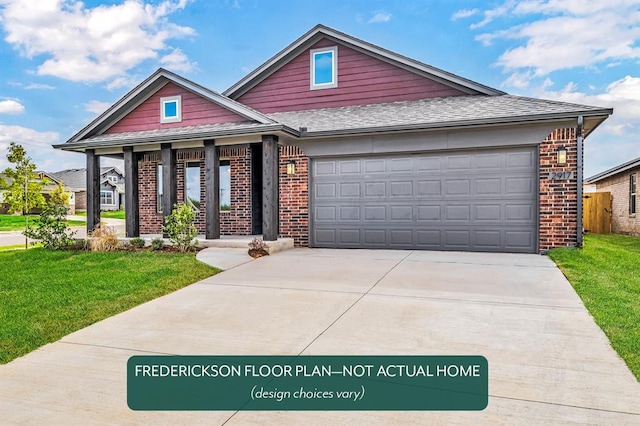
(596, 212)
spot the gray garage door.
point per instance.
(481, 200)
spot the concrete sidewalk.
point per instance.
(549, 363)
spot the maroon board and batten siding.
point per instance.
(196, 110)
(362, 79)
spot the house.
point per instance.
(336, 142)
(621, 181)
(111, 187)
(50, 184)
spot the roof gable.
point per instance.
(196, 110)
(320, 32)
(147, 89)
(361, 79)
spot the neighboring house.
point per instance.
(48, 188)
(622, 182)
(336, 142)
(111, 187)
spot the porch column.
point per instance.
(93, 189)
(212, 189)
(169, 180)
(270, 201)
(131, 211)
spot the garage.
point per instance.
(468, 200)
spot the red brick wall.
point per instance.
(150, 219)
(621, 221)
(558, 199)
(294, 196)
(237, 221)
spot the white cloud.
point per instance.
(37, 144)
(568, 35)
(96, 107)
(491, 14)
(38, 86)
(614, 142)
(622, 95)
(519, 80)
(10, 106)
(379, 16)
(177, 61)
(126, 82)
(464, 13)
(90, 44)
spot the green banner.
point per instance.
(307, 382)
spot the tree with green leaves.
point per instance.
(59, 196)
(23, 191)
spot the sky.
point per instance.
(63, 62)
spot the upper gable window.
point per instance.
(324, 68)
(171, 109)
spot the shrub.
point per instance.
(51, 229)
(137, 242)
(258, 248)
(180, 228)
(157, 244)
(103, 239)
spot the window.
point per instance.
(192, 185)
(106, 198)
(225, 185)
(171, 109)
(159, 188)
(633, 180)
(113, 179)
(324, 68)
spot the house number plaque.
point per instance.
(560, 175)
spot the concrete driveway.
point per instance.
(549, 363)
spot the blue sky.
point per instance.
(63, 62)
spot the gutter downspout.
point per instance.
(579, 181)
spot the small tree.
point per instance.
(51, 228)
(180, 228)
(23, 192)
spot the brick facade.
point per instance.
(558, 203)
(236, 221)
(622, 221)
(294, 196)
(558, 199)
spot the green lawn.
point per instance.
(107, 214)
(606, 275)
(16, 223)
(45, 295)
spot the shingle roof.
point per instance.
(614, 171)
(158, 135)
(432, 113)
(72, 178)
(76, 179)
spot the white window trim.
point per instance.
(113, 179)
(334, 82)
(113, 198)
(178, 100)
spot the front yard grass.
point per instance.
(606, 275)
(107, 214)
(10, 222)
(45, 295)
